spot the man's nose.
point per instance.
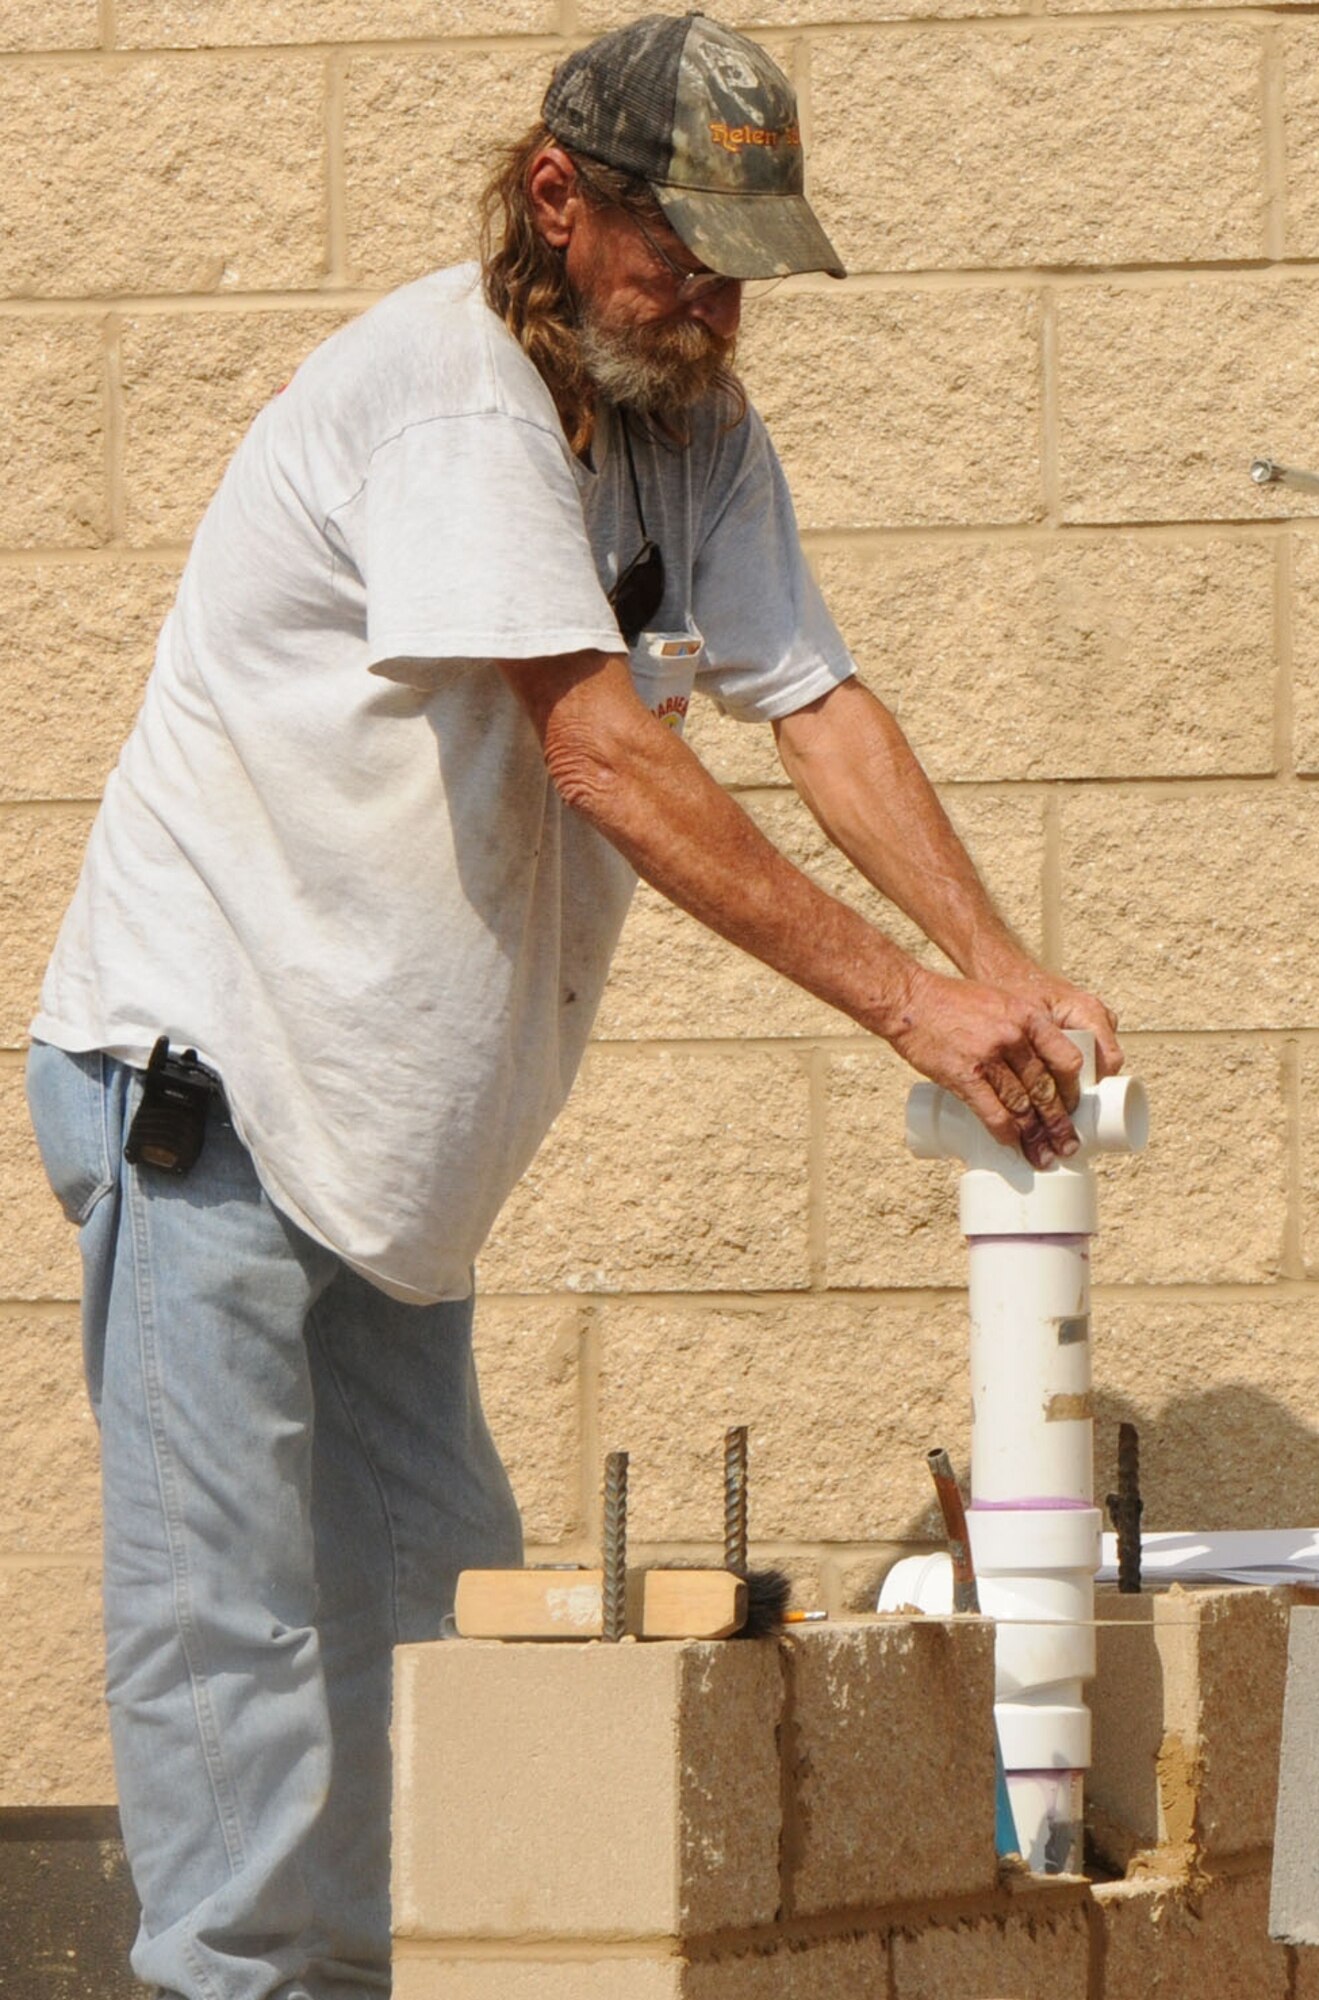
(720, 310)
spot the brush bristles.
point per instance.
(768, 1591)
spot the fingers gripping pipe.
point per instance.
(1034, 1530)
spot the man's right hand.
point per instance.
(1002, 1052)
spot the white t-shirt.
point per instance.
(330, 858)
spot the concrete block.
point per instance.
(1069, 166)
(54, 1744)
(1116, 658)
(422, 1973)
(1165, 394)
(40, 855)
(846, 1968)
(1193, 910)
(1218, 1125)
(199, 24)
(56, 24)
(737, 753)
(828, 1969)
(1304, 621)
(70, 1913)
(168, 176)
(530, 1362)
(1168, 1941)
(49, 1463)
(594, 16)
(1300, 52)
(419, 138)
(585, 1790)
(1187, 1707)
(191, 387)
(1222, 1390)
(902, 409)
(1031, 1954)
(51, 388)
(1294, 1899)
(82, 636)
(889, 1749)
(39, 1251)
(1308, 1076)
(842, 1399)
(668, 1170)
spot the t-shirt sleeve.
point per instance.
(770, 643)
(472, 546)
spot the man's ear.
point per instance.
(555, 195)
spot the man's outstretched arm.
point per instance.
(610, 759)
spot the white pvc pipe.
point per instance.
(1035, 1534)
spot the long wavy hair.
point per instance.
(527, 285)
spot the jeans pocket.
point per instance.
(66, 1102)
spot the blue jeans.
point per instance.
(295, 1467)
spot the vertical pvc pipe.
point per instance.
(1035, 1533)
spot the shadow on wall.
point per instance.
(1233, 1457)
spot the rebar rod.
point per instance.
(1125, 1508)
(614, 1549)
(965, 1595)
(735, 1500)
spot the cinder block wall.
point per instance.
(1083, 297)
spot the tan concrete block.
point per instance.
(1308, 1068)
(54, 1744)
(168, 176)
(842, 1400)
(1070, 168)
(199, 24)
(421, 1974)
(1222, 1393)
(82, 636)
(889, 1219)
(56, 24)
(40, 855)
(1194, 909)
(1187, 1707)
(1121, 658)
(848, 1968)
(902, 408)
(191, 387)
(595, 16)
(1167, 1941)
(584, 1790)
(1166, 394)
(673, 977)
(1305, 650)
(39, 1250)
(49, 1463)
(1216, 1161)
(1300, 50)
(668, 1170)
(419, 133)
(736, 753)
(1032, 1954)
(854, 1581)
(890, 1748)
(529, 1357)
(51, 390)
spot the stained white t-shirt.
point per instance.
(330, 858)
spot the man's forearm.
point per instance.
(850, 761)
(656, 803)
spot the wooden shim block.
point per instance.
(566, 1604)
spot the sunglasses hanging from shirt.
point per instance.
(639, 590)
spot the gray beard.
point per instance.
(659, 369)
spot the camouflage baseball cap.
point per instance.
(710, 123)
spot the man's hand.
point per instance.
(1002, 1049)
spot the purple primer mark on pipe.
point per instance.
(1035, 1503)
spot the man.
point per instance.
(367, 851)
